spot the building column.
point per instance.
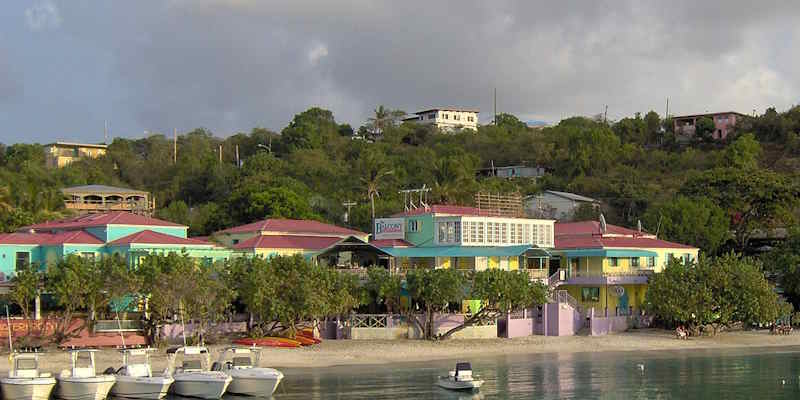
(37, 307)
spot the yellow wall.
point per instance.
(443, 262)
(513, 263)
(494, 262)
(265, 253)
(635, 294)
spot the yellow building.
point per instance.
(61, 154)
(606, 267)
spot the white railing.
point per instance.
(369, 320)
(563, 297)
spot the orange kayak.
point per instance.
(304, 340)
(309, 337)
(268, 342)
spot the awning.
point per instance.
(617, 253)
(464, 251)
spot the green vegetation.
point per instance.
(714, 293)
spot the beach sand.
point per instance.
(365, 352)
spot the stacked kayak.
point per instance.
(303, 338)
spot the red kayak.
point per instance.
(268, 342)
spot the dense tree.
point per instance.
(714, 293)
(432, 290)
(696, 221)
(754, 199)
(784, 264)
(704, 129)
(26, 286)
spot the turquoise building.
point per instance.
(99, 235)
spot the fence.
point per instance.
(113, 325)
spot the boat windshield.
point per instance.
(242, 362)
(25, 363)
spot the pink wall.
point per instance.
(605, 325)
(562, 320)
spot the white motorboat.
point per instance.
(460, 379)
(135, 379)
(24, 381)
(193, 378)
(81, 382)
(241, 364)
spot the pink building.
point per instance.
(685, 125)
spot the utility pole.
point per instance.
(220, 154)
(175, 146)
(495, 106)
(666, 114)
(105, 131)
(348, 204)
(238, 163)
(605, 115)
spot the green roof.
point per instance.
(461, 251)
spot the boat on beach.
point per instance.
(241, 364)
(81, 382)
(460, 379)
(193, 378)
(24, 381)
(268, 342)
(135, 379)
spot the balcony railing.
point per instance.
(624, 272)
(537, 274)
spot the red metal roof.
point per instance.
(110, 218)
(288, 242)
(73, 237)
(587, 235)
(150, 237)
(294, 226)
(22, 238)
(390, 243)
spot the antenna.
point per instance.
(408, 197)
(348, 204)
(8, 324)
(105, 132)
(119, 325)
(666, 114)
(639, 225)
(603, 225)
(175, 146)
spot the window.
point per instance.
(480, 230)
(490, 232)
(635, 262)
(414, 225)
(442, 231)
(519, 234)
(651, 262)
(432, 116)
(23, 260)
(235, 241)
(528, 234)
(613, 262)
(467, 235)
(456, 117)
(513, 233)
(503, 237)
(446, 116)
(687, 258)
(590, 294)
(457, 229)
(535, 237)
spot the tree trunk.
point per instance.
(477, 317)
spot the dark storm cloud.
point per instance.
(232, 65)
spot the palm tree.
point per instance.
(383, 117)
(374, 170)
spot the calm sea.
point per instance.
(755, 373)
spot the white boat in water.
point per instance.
(24, 381)
(241, 364)
(135, 378)
(460, 379)
(193, 378)
(81, 382)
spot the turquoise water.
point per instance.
(753, 373)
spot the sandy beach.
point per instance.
(365, 352)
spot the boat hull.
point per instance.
(94, 388)
(450, 384)
(27, 388)
(131, 387)
(201, 386)
(255, 381)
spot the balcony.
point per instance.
(629, 276)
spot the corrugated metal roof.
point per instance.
(458, 251)
(572, 196)
(110, 218)
(101, 189)
(288, 242)
(150, 237)
(294, 226)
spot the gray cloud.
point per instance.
(42, 16)
(232, 65)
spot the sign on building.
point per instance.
(390, 228)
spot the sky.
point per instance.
(69, 68)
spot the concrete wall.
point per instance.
(400, 332)
(561, 320)
(173, 333)
(604, 325)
